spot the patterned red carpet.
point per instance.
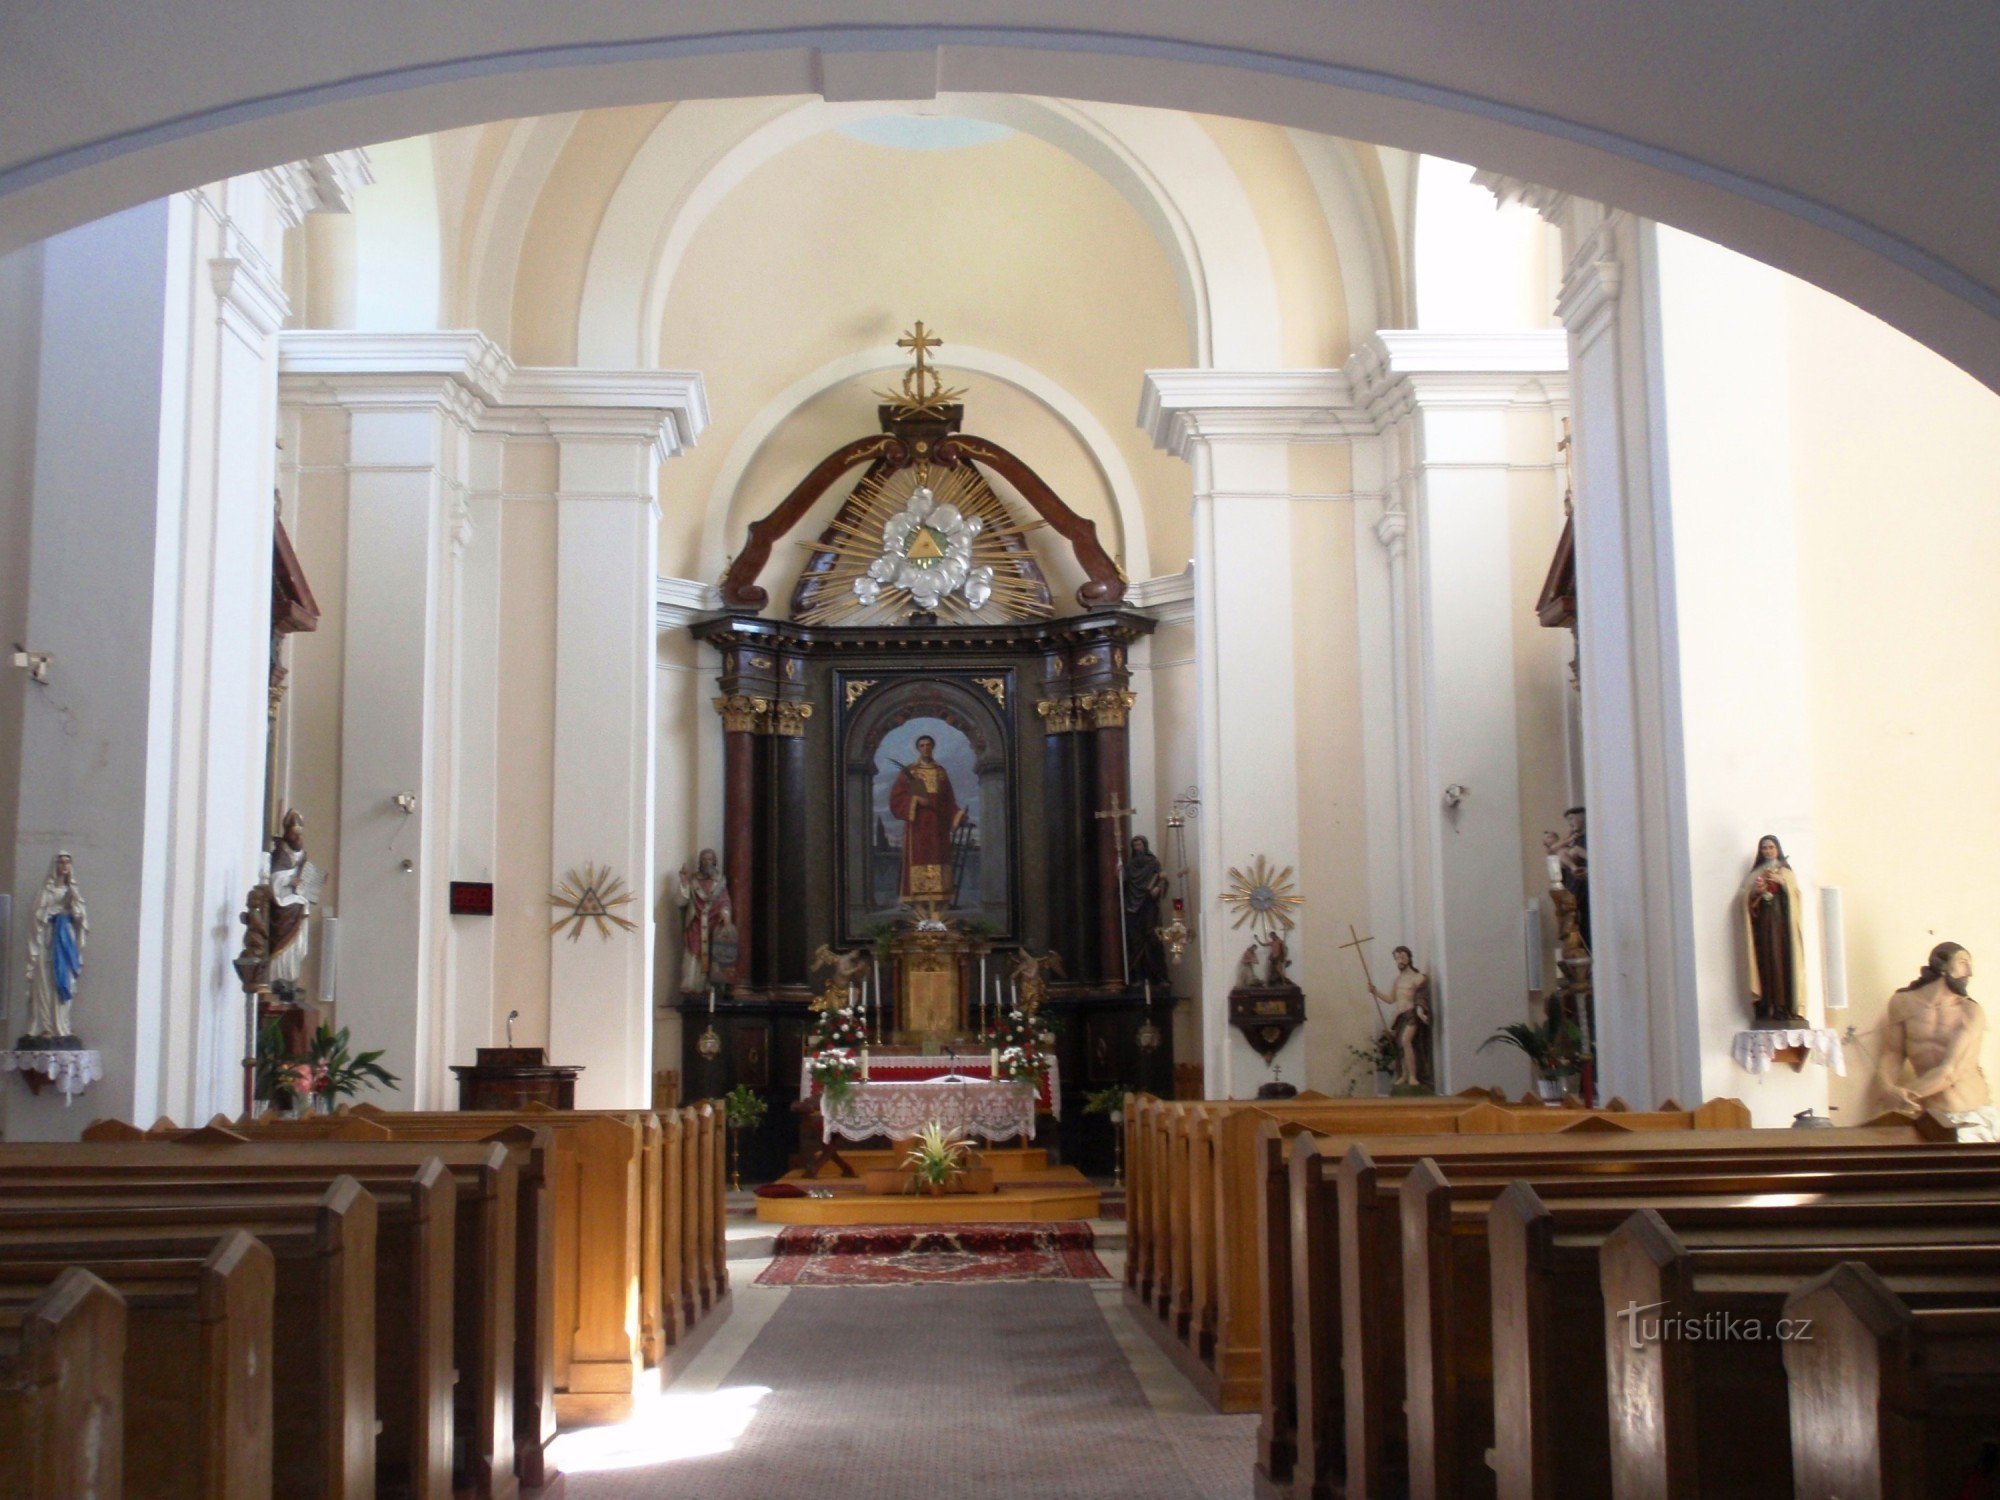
(903, 1255)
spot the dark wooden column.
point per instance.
(787, 945)
(1109, 712)
(739, 818)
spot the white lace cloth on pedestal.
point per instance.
(993, 1111)
(1753, 1049)
(1981, 1124)
(70, 1070)
(896, 1067)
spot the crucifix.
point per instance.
(1359, 944)
(1121, 812)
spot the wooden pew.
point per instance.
(486, 1179)
(1303, 1444)
(197, 1369)
(1550, 1386)
(1206, 1286)
(1448, 1353)
(323, 1362)
(1699, 1407)
(605, 1310)
(1887, 1400)
(62, 1392)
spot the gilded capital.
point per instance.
(789, 719)
(744, 714)
(1058, 715)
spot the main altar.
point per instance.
(926, 782)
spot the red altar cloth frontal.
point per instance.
(895, 1068)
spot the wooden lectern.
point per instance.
(513, 1078)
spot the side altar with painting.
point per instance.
(927, 797)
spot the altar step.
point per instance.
(1026, 1190)
(1006, 1162)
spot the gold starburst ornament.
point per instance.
(1262, 897)
(590, 895)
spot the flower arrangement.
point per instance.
(1017, 1038)
(836, 1049)
(328, 1070)
(744, 1107)
(936, 1160)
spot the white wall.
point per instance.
(149, 580)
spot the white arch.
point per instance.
(494, 257)
(1162, 162)
(1134, 554)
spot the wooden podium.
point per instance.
(513, 1078)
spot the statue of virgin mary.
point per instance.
(55, 955)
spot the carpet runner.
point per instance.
(923, 1254)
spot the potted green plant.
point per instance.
(1381, 1058)
(340, 1073)
(744, 1109)
(1553, 1050)
(937, 1160)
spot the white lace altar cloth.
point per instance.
(992, 1110)
(71, 1071)
(1981, 1124)
(897, 1068)
(1753, 1049)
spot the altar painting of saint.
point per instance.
(927, 784)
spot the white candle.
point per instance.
(864, 1064)
(711, 998)
(994, 1058)
(1833, 946)
(1531, 937)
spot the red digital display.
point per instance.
(472, 898)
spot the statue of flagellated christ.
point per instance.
(923, 800)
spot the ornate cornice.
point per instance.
(1397, 371)
(1547, 201)
(678, 602)
(317, 185)
(1592, 281)
(1168, 599)
(1179, 408)
(666, 408)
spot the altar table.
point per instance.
(904, 1094)
(898, 1067)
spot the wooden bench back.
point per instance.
(62, 1392)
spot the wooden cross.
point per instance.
(1358, 943)
(1119, 811)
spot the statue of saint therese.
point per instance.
(922, 798)
(1934, 1029)
(1772, 914)
(703, 898)
(1410, 994)
(55, 954)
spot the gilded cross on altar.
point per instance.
(923, 393)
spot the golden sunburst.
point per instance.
(1262, 898)
(590, 895)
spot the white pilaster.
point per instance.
(430, 415)
(1449, 406)
(1235, 429)
(601, 987)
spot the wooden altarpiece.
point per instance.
(1029, 715)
